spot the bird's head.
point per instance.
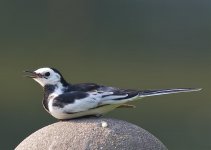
(46, 76)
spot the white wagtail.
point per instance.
(66, 101)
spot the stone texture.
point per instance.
(91, 134)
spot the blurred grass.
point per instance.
(129, 44)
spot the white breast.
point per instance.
(59, 114)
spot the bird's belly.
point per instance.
(60, 114)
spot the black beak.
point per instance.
(32, 74)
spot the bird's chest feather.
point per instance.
(50, 92)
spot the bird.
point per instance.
(66, 101)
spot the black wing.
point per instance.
(69, 98)
(85, 87)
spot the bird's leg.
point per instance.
(126, 106)
(64, 120)
(98, 115)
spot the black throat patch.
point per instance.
(48, 89)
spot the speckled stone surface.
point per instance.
(91, 134)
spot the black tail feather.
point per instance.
(146, 93)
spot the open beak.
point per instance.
(32, 74)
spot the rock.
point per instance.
(91, 134)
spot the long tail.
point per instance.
(146, 93)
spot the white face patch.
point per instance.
(49, 76)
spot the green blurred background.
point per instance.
(140, 44)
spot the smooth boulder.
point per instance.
(91, 134)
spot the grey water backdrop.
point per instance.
(137, 44)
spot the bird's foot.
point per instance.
(126, 106)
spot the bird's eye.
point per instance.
(47, 74)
